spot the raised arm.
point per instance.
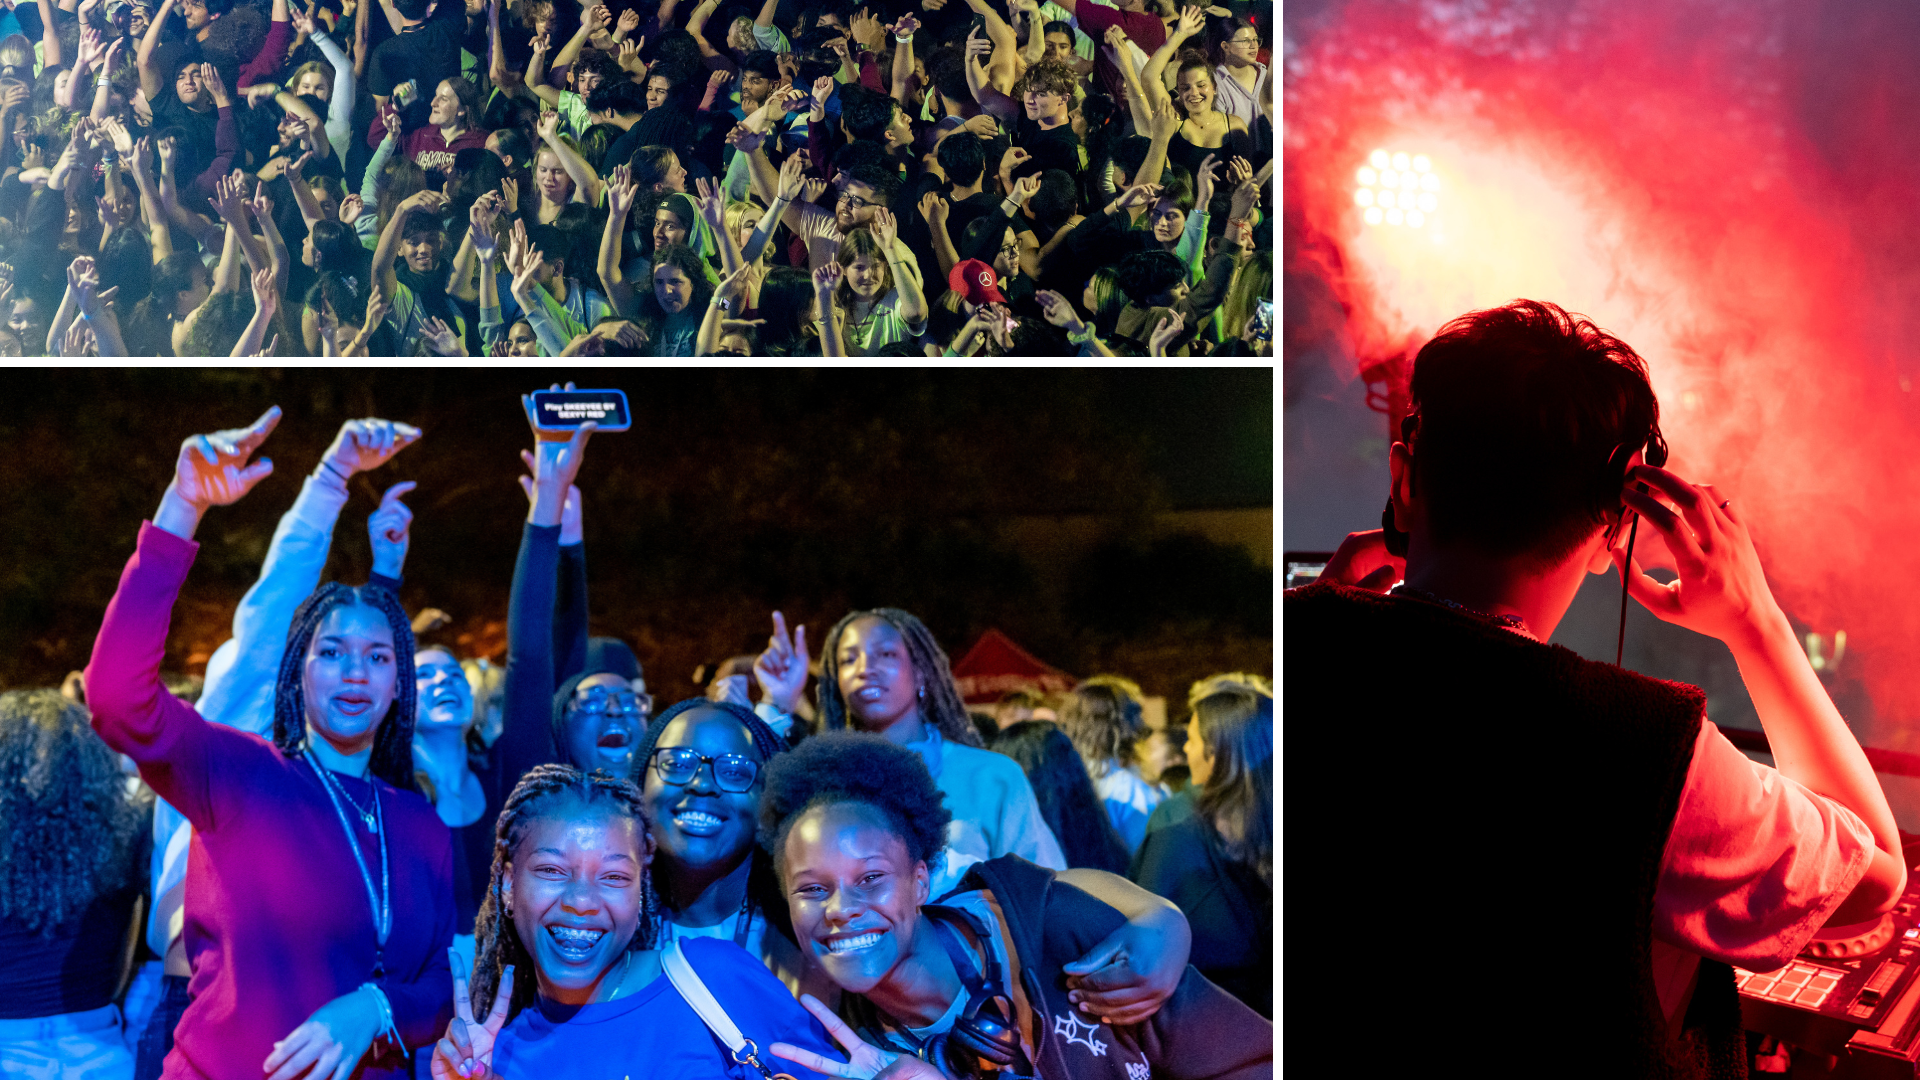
(480, 236)
(1722, 592)
(266, 298)
(361, 50)
(384, 280)
(912, 306)
(131, 709)
(233, 207)
(1153, 74)
(535, 80)
(1139, 105)
(713, 208)
(620, 196)
(150, 207)
(1005, 46)
(310, 208)
(902, 81)
(825, 277)
(262, 207)
(980, 82)
(697, 26)
(1161, 128)
(592, 21)
(587, 186)
(934, 209)
(152, 82)
(339, 127)
(1036, 46)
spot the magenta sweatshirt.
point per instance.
(277, 918)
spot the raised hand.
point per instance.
(1722, 589)
(629, 22)
(303, 20)
(117, 132)
(388, 530)
(934, 209)
(745, 139)
(1203, 181)
(480, 221)
(733, 286)
(365, 445)
(212, 470)
(391, 121)
(440, 337)
(1138, 195)
(428, 200)
(906, 26)
(530, 260)
(814, 187)
(978, 47)
(78, 341)
(1163, 334)
(217, 86)
(555, 462)
(351, 208)
(621, 191)
(599, 17)
(718, 80)
(781, 670)
(1164, 121)
(865, 1061)
(549, 125)
(1059, 311)
(822, 90)
(885, 229)
(1192, 20)
(510, 193)
(1025, 188)
(405, 93)
(793, 177)
(826, 276)
(713, 206)
(262, 203)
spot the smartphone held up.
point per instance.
(565, 410)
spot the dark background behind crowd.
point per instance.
(735, 493)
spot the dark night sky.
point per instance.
(813, 491)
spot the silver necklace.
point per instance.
(377, 822)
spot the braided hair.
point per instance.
(940, 702)
(763, 885)
(544, 788)
(393, 745)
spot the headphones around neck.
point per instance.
(981, 1031)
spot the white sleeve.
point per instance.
(1755, 862)
(242, 695)
(340, 108)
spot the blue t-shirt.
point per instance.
(656, 1033)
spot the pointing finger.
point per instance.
(395, 493)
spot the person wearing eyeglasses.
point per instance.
(700, 764)
(1240, 79)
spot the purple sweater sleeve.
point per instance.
(423, 1004)
(226, 144)
(265, 65)
(132, 710)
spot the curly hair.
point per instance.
(940, 703)
(68, 830)
(544, 790)
(853, 767)
(1105, 719)
(1050, 77)
(393, 746)
(1064, 790)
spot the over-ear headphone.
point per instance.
(982, 1030)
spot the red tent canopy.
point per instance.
(995, 666)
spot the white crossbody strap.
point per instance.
(692, 988)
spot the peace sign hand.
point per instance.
(212, 469)
(865, 1061)
(782, 669)
(467, 1050)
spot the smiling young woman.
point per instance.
(320, 885)
(975, 983)
(569, 915)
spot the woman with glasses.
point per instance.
(1240, 79)
(701, 763)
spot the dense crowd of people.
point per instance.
(688, 178)
(356, 851)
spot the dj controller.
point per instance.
(1854, 993)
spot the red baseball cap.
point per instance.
(976, 282)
